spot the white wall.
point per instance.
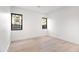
(31, 25)
(4, 28)
(64, 24)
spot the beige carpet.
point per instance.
(43, 44)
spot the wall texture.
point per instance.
(4, 28)
(64, 24)
(31, 25)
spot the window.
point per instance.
(44, 23)
(16, 21)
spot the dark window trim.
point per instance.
(46, 23)
(21, 21)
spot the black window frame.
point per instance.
(21, 21)
(44, 26)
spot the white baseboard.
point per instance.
(52, 35)
(62, 38)
(29, 38)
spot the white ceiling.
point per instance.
(42, 9)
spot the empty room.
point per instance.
(39, 28)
